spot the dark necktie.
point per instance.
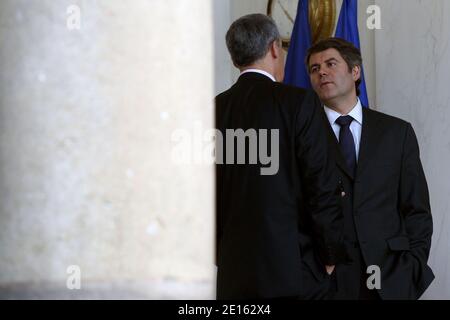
(346, 142)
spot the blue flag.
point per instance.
(295, 72)
(347, 28)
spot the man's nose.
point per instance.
(322, 72)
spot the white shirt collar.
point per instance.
(356, 113)
(259, 71)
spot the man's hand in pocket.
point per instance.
(330, 269)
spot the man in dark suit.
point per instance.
(387, 215)
(272, 220)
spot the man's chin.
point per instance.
(328, 101)
(325, 97)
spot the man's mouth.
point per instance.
(325, 83)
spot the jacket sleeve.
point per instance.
(320, 181)
(414, 199)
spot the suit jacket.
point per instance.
(386, 205)
(261, 219)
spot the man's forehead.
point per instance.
(323, 56)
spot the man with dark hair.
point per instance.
(387, 216)
(271, 227)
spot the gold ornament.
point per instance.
(322, 17)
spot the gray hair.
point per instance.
(249, 38)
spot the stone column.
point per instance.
(90, 94)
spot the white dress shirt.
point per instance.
(259, 71)
(355, 126)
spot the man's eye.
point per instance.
(331, 64)
(314, 69)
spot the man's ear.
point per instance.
(356, 73)
(275, 49)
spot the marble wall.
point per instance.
(412, 58)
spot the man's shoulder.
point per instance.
(386, 119)
(224, 94)
(298, 98)
(280, 91)
(289, 90)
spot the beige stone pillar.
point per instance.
(87, 177)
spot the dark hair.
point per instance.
(347, 50)
(249, 38)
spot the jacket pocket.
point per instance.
(399, 243)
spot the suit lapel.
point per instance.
(369, 136)
(370, 140)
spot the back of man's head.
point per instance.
(250, 37)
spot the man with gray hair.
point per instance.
(272, 227)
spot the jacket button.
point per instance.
(342, 194)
